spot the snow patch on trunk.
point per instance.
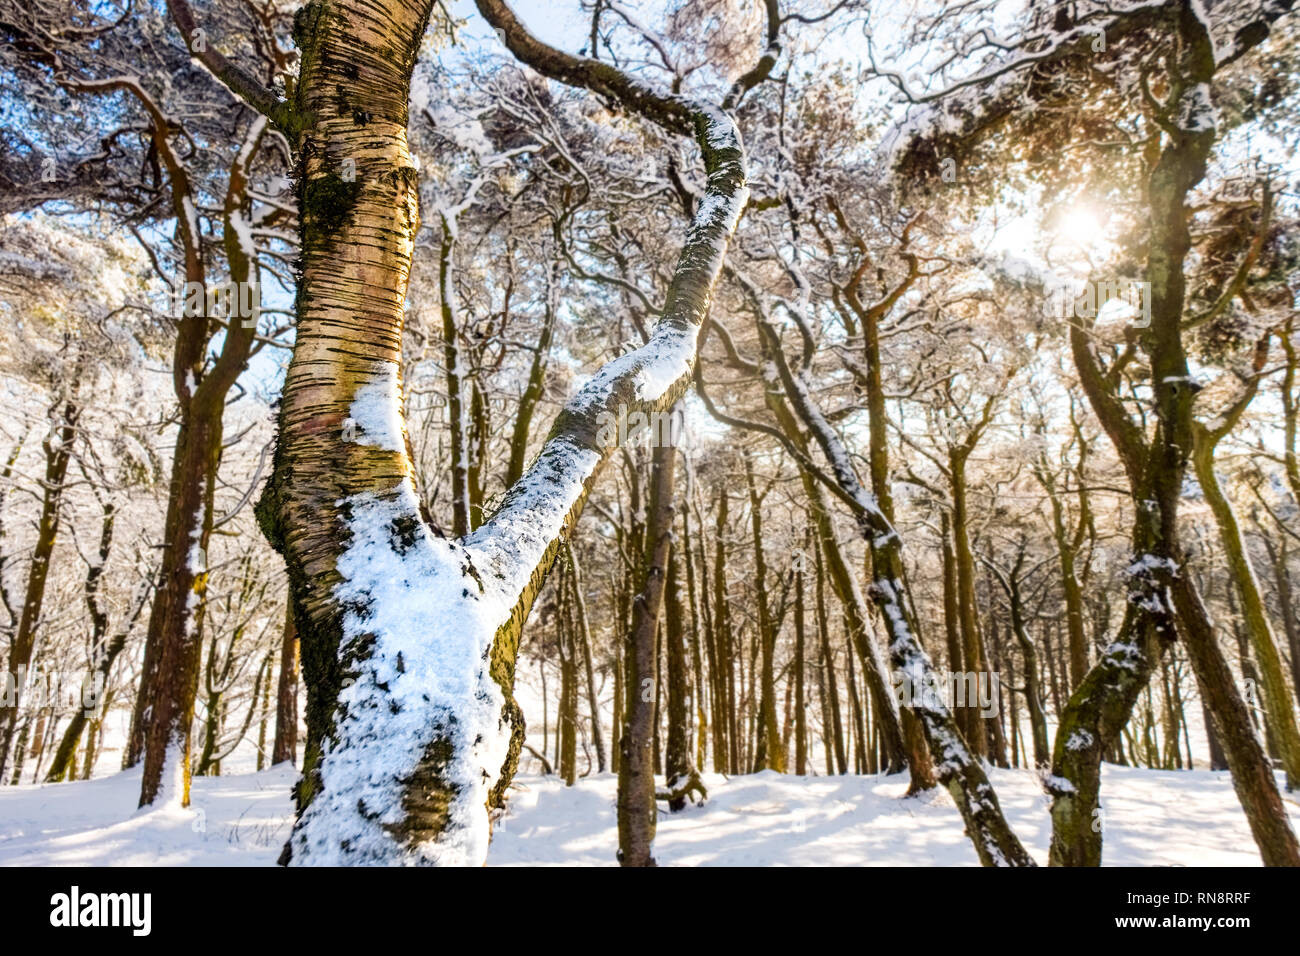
(414, 609)
(376, 415)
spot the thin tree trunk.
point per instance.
(285, 747)
(773, 756)
(729, 751)
(800, 702)
(584, 639)
(859, 719)
(636, 784)
(699, 623)
(265, 701)
(1033, 696)
(836, 727)
(58, 454)
(535, 388)
(951, 624)
(566, 714)
(680, 772)
(975, 668)
(1276, 695)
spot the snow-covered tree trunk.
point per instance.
(957, 768)
(409, 639)
(103, 653)
(898, 748)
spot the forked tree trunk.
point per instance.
(103, 654)
(1033, 694)
(1068, 545)
(164, 710)
(408, 639)
(535, 389)
(1160, 588)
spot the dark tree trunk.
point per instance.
(285, 746)
(58, 453)
(636, 783)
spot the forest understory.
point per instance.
(1154, 818)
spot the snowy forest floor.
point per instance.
(1188, 818)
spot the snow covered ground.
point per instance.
(1151, 818)
(240, 820)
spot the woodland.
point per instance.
(427, 394)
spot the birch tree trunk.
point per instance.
(409, 639)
